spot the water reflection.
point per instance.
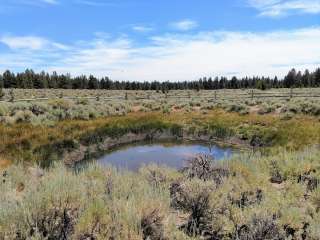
(173, 155)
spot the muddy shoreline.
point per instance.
(84, 152)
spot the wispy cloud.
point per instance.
(35, 2)
(184, 25)
(96, 3)
(278, 8)
(10, 5)
(174, 57)
(50, 1)
(92, 3)
(32, 43)
(142, 28)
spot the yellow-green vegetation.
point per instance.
(249, 197)
(26, 142)
(269, 192)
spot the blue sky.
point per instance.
(160, 40)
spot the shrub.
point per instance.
(203, 167)
(236, 108)
(193, 197)
(39, 109)
(48, 211)
(1, 93)
(266, 108)
(260, 227)
(95, 222)
(4, 110)
(11, 96)
(23, 116)
(82, 101)
(276, 176)
(60, 104)
(152, 225)
(313, 231)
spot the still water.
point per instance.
(174, 155)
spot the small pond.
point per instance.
(174, 155)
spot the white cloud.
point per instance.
(50, 1)
(92, 3)
(33, 2)
(141, 28)
(184, 25)
(278, 8)
(29, 43)
(180, 56)
(96, 3)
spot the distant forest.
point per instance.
(31, 80)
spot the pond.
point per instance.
(174, 155)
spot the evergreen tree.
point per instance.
(317, 77)
(8, 79)
(290, 79)
(93, 83)
(305, 80)
(298, 82)
(30, 79)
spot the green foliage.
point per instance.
(220, 130)
(29, 79)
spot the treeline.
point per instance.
(29, 80)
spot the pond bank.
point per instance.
(74, 139)
(88, 152)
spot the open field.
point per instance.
(48, 106)
(271, 191)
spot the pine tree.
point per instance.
(306, 79)
(317, 77)
(29, 80)
(290, 79)
(93, 83)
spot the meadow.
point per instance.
(45, 106)
(270, 191)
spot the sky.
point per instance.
(165, 40)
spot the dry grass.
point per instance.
(4, 163)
